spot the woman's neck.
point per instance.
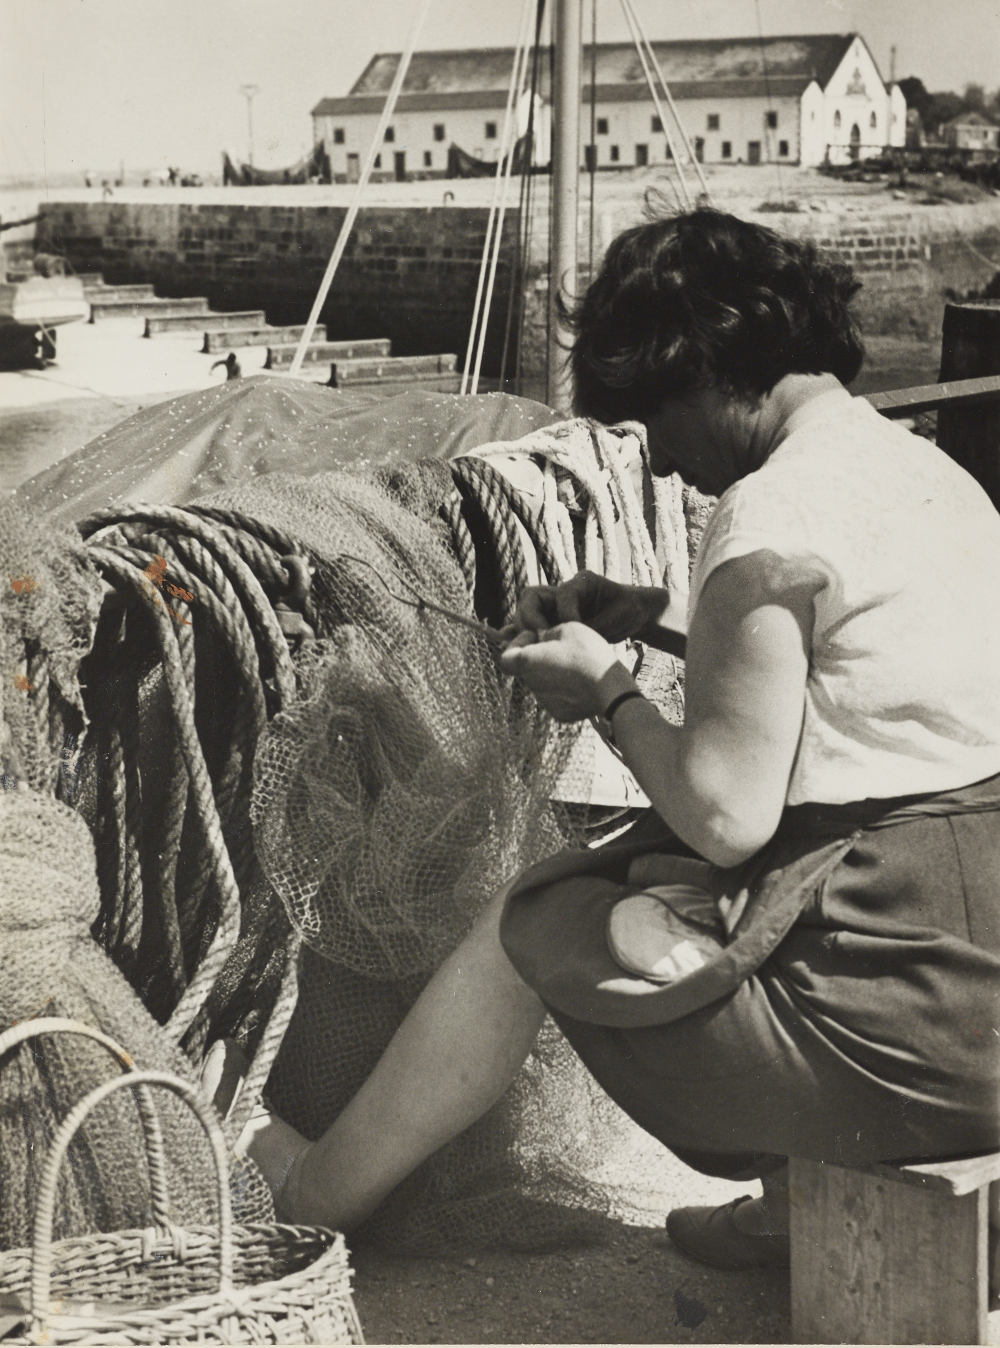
(774, 418)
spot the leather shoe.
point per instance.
(711, 1236)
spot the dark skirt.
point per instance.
(852, 1014)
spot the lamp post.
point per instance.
(249, 92)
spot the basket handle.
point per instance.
(159, 1192)
(41, 1253)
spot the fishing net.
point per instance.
(53, 967)
(49, 602)
(409, 780)
(360, 774)
(49, 899)
(410, 777)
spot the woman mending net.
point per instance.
(798, 952)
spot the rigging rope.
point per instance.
(688, 200)
(498, 206)
(516, 290)
(768, 140)
(355, 206)
(592, 157)
(651, 63)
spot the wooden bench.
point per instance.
(891, 1254)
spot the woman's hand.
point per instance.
(614, 611)
(564, 667)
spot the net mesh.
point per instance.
(53, 967)
(406, 784)
(401, 782)
(49, 602)
(410, 778)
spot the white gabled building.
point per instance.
(793, 100)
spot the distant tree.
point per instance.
(916, 95)
(941, 108)
(975, 97)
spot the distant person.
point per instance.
(231, 366)
(87, 182)
(172, 176)
(106, 189)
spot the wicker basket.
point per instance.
(166, 1284)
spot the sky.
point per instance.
(96, 84)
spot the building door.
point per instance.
(699, 149)
(855, 150)
(399, 161)
(590, 158)
(641, 156)
(353, 167)
(753, 151)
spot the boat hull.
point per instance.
(42, 302)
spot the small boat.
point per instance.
(41, 302)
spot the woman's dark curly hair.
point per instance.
(702, 299)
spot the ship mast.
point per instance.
(567, 43)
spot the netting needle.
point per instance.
(491, 634)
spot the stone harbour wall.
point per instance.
(408, 273)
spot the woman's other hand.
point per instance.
(614, 611)
(565, 666)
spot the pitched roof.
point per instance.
(806, 57)
(971, 118)
(776, 86)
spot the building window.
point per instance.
(771, 121)
(727, 149)
(873, 121)
(613, 153)
(783, 149)
(338, 135)
(439, 130)
(836, 120)
(378, 161)
(602, 126)
(428, 159)
(655, 124)
(713, 121)
(491, 130)
(390, 134)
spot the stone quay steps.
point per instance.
(263, 334)
(130, 292)
(199, 321)
(319, 353)
(351, 373)
(90, 279)
(431, 381)
(140, 308)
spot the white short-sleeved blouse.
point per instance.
(903, 689)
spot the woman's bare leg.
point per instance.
(459, 1047)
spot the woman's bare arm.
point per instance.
(721, 780)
